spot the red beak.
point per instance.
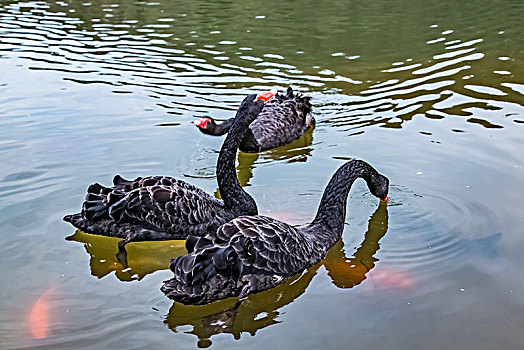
(202, 122)
(385, 198)
(266, 96)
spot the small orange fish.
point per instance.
(39, 316)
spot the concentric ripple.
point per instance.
(432, 239)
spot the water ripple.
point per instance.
(435, 239)
(132, 55)
(425, 89)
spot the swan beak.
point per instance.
(201, 123)
(385, 199)
(266, 96)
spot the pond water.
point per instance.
(431, 94)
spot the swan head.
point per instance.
(202, 122)
(379, 186)
(254, 103)
(206, 124)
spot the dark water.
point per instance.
(431, 94)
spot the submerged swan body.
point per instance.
(284, 119)
(250, 254)
(161, 208)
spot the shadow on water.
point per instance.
(262, 309)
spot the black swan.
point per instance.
(250, 254)
(163, 208)
(284, 119)
(264, 308)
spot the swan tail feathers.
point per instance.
(94, 206)
(205, 262)
(289, 92)
(102, 203)
(204, 276)
(119, 180)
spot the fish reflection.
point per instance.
(142, 258)
(40, 315)
(260, 310)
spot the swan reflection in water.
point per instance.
(296, 151)
(260, 310)
(142, 258)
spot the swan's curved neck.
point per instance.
(219, 129)
(331, 213)
(232, 193)
(223, 128)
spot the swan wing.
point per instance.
(166, 203)
(266, 244)
(283, 119)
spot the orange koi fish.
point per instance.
(39, 316)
